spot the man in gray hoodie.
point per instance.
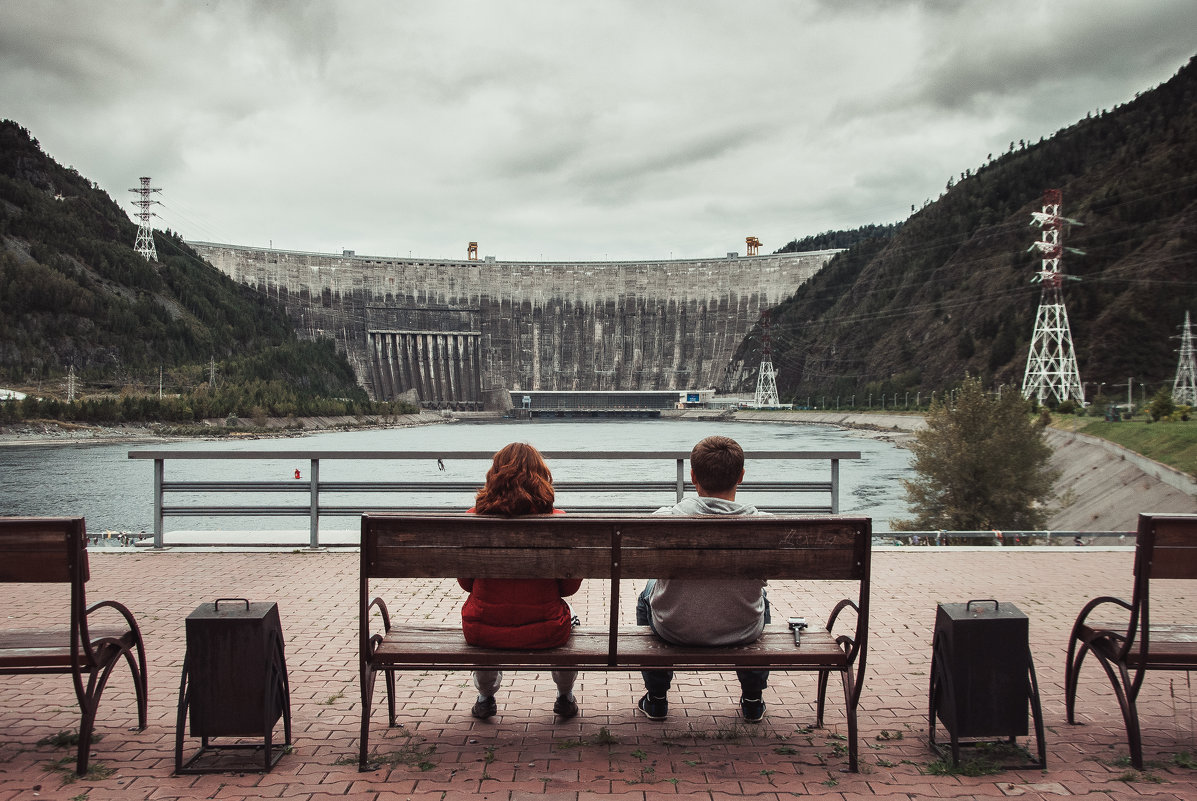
(707, 612)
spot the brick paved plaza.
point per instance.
(701, 751)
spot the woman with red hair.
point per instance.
(518, 613)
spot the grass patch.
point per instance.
(67, 739)
(412, 753)
(65, 768)
(1171, 443)
(1132, 776)
(981, 759)
(604, 737)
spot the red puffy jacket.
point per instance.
(517, 613)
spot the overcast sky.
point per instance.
(560, 130)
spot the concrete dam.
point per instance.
(462, 334)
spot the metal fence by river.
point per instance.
(653, 473)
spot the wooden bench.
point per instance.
(614, 548)
(54, 550)
(1166, 548)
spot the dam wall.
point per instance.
(461, 334)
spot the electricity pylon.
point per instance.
(1184, 386)
(145, 233)
(1051, 362)
(766, 377)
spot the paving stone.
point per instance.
(439, 748)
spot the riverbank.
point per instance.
(1102, 486)
(56, 432)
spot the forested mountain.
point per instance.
(75, 294)
(949, 292)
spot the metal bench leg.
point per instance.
(390, 678)
(821, 698)
(1072, 675)
(1125, 694)
(368, 676)
(850, 710)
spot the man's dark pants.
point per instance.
(657, 682)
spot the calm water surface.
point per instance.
(114, 492)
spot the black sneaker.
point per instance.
(484, 708)
(753, 709)
(565, 707)
(654, 708)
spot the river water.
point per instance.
(113, 492)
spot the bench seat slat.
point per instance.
(1170, 646)
(411, 647)
(47, 648)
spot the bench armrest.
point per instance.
(851, 645)
(89, 645)
(1126, 638)
(371, 641)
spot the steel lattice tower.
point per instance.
(145, 234)
(1051, 362)
(1184, 387)
(766, 377)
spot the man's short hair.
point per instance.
(718, 463)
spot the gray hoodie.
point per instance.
(714, 611)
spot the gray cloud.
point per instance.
(573, 130)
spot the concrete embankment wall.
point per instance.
(1102, 486)
(460, 332)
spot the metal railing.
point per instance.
(314, 487)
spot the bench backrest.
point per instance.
(1166, 547)
(642, 546)
(43, 549)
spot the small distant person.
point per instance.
(707, 611)
(297, 474)
(518, 613)
(440, 463)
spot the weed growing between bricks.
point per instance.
(65, 768)
(411, 752)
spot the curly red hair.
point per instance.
(517, 483)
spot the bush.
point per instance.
(980, 463)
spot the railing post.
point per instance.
(314, 512)
(835, 486)
(159, 470)
(681, 479)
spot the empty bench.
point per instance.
(87, 643)
(1165, 548)
(614, 549)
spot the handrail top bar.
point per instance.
(472, 455)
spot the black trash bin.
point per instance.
(983, 676)
(234, 686)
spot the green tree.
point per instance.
(1161, 404)
(981, 462)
